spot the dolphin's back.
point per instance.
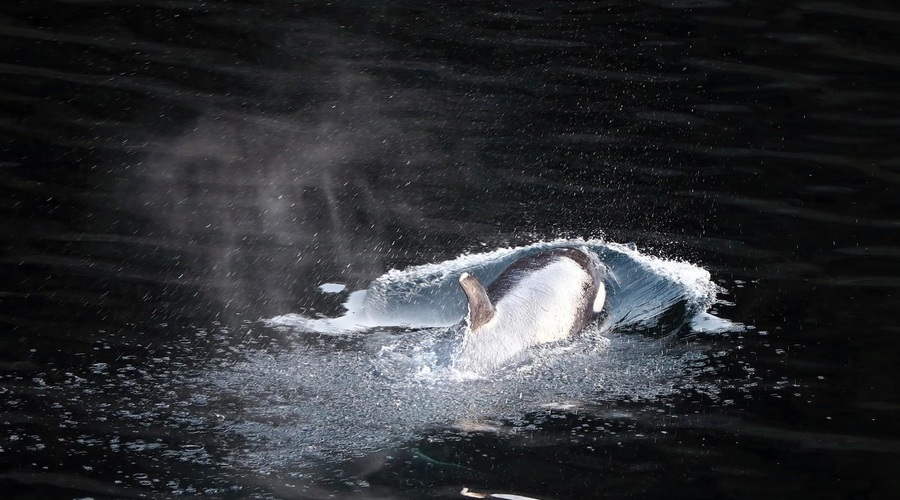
(515, 272)
(539, 298)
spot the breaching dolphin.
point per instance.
(537, 299)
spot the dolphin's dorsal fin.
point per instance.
(480, 308)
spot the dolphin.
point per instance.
(540, 298)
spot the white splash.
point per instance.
(365, 386)
(332, 287)
(639, 289)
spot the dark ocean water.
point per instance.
(175, 173)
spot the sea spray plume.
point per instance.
(263, 204)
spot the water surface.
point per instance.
(174, 175)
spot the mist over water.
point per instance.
(321, 186)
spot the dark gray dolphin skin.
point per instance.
(540, 298)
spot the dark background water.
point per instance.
(171, 171)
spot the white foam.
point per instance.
(354, 320)
(332, 287)
(708, 323)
